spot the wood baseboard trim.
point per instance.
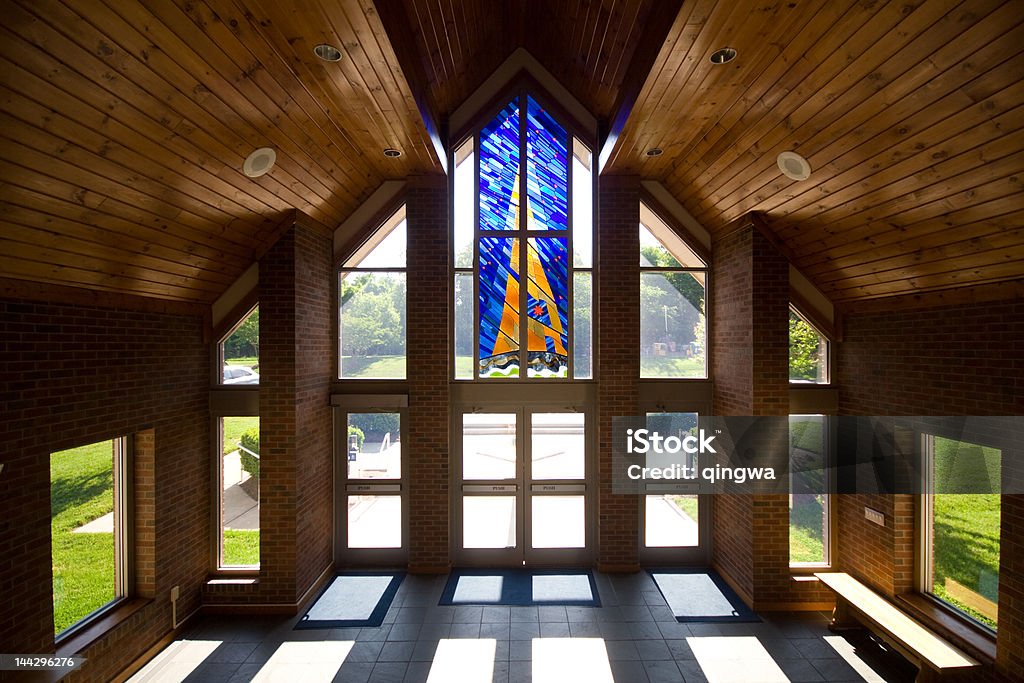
(428, 569)
(818, 606)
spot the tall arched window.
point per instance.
(522, 248)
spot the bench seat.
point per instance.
(929, 651)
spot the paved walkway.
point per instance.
(240, 510)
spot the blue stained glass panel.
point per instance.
(499, 307)
(547, 307)
(547, 170)
(499, 171)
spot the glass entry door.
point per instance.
(522, 493)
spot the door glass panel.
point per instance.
(489, 522)
(489, 446)
(374, 521)
(558, 522)
(671, 521)
(374, 446)
(557, 446)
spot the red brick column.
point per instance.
(750, 369)
(428, 371)
(618, 359)
(296, 449)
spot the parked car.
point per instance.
(239, 374)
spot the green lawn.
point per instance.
(82, 489)
(687, 504)
(248, 361)
(233, 428)
(241, 547)
(665, 366)
(966, 525)
(373, 367)
(805, 527)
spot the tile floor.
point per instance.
(631, 638)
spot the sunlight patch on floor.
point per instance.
(307, 661)
(557, 660)
(732, 659)
(463, 660)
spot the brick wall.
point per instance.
(750, 369)
(428, 304)
(296, 429)
(618, 359)
(77, 374)
(954, 360)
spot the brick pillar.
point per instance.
(428, 348)
(618, 360)
(750, 369)
(296, 449)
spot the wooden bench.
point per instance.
(930, 652)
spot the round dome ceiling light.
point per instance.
(654, 152)
(794, 166)
(328, 53)
(392, 153)
(723, 55)
(259, 162)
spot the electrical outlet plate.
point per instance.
(874, 516)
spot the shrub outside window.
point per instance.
(808, 351)
(239, 493)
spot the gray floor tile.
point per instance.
(471, 630)
(375, 633)
(365, 651)
(554, 630)
(584, 629)
(626, 671)
(619, 650)
(354, 672)
(674, 630)
(500, 672)
(520, 672)
(652, 650)
(468, 614)
(404, 632)
(417, 672)
(396, 652)
(520, 650)
(663, 672)
(642, 630)
(616, 630)
(498, 631)
(800, 671)
(552, 613)
(680, 650)
(496, 615)
(524, 630)
(692, 673)
(388, 672)
(524, 614)
(424, 651)
(814, 648)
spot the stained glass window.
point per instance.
(499, 171)
(524, 225)
(547, 171)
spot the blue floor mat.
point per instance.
(573, 587)
(353, 599)
(700, 595)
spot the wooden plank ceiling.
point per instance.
(125, 125)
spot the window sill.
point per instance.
(77, 642)
(805, 572)
(976, 640)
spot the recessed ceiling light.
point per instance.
(392, 153)
(794, 166)
(259, 162)
(328, 53)
(723, 55)
(654, 152)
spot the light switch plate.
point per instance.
(874, 516)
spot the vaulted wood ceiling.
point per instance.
(124, 125)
